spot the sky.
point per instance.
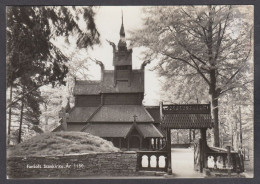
(108, 20)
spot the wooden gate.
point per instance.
(188, 116)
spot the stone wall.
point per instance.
(84, 165)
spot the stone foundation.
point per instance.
(84, 165)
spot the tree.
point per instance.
(25, 112)
(212, 42)
(31, 54)
(30, 31)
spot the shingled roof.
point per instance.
(121, 129)
(108, 130)
(81, 114)
(149, 130)
(122, 113)
(187, 121)
(154, 111)
(108, 86)
(87, 87)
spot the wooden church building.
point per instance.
(112, 107)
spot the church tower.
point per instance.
(122, 59)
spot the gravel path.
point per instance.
(182, 164)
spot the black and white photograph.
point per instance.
(129, 92)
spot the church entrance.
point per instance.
(134, 142)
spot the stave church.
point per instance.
(112, 107)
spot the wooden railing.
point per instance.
(217, 159)
(152, 161)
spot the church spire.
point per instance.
(122, 42)
(122, 30)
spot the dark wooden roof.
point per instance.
(108, 129)
(107, 84)
(149, 130)
(186, 116)
(187, 121)
(87, 87)
(75, 126)
(137, 83)
(121, 129)
(154, 111)
(121, 113)
(81, 114)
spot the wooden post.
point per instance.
(215, 161)
(203, 146)
(201, 155)
(229, 160)
(156, 143)
(120, 144)
(128, 143)
(224, 161)
(159, 140)
(157, 161)
(169, 170)
(150, 143)
(149, 161)
(141, 143)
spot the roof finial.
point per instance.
(122, 30)
(122, 16)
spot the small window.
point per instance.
(124, 67)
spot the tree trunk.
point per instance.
(213, 91)
(10, 113)
(214, 113)
(214, 94)
(21, 122)
(240, 121)
(194, 135)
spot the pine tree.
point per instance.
(32, 59)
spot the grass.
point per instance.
(61, 143)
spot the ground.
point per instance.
(182, 164)
(60, 143)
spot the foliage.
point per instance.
(33, 60)
(211, 45)
(29, 47)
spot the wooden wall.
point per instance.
(88, 101)
(109, 99)
(123, 99)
